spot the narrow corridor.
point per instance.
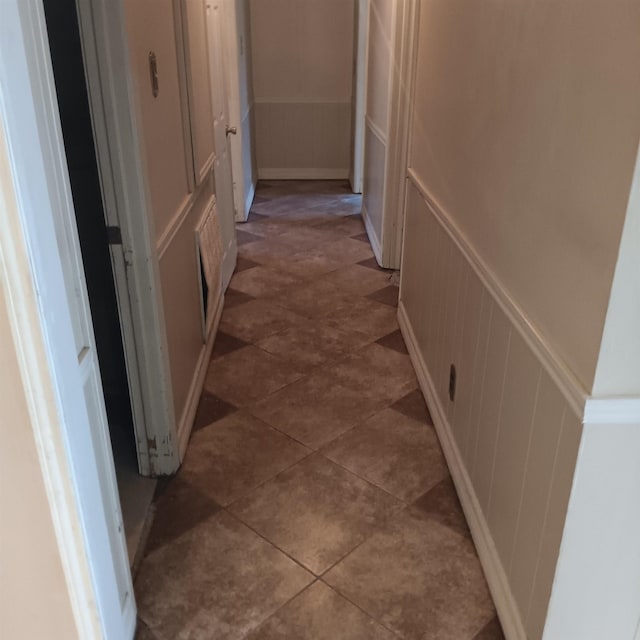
(314, 501)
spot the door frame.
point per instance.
(359, 93)
(402, 86)
(118, 141)
(37, 193)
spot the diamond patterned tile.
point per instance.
(226, 343)
(219, 580)
(211, 409)
(387, 295)
(316, 512)
(263, 281)
(234, 298)
(419, 579)
(393, 340)
(441, 503)
(393, 452)
(247, 375)
(236, 454)
(319, 613)
(414, 406)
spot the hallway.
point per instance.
(314, 501)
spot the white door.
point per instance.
(30, 119)
(222, 130)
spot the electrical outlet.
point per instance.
(452, 382)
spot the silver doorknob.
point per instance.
(231, 130)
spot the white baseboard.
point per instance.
(244, 215)
(494, 572)
(193, 397)
(373, 238)
(303, 174)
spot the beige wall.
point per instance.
(34, 601)
(302, 60)
(526, 133)
(523, 145)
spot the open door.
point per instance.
(222, 130)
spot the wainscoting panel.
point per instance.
(375, 153)
(511, 435)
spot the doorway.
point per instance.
(95, 238)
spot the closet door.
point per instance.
(194, 29)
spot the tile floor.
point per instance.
(314, 501)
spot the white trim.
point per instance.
(359, 94)
(195, 390)
(123, 173)
(495, 574)
(405, 51)
(301, 100)
(371, 233)
(303, 174)
(376, 130)
(176, 222)
(570, 387)
(612, 411)
(248, 202)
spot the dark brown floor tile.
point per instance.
(370, 263)
(247, 375)
(418, 578)
(393, 452)
(211, 409)
(242, 264)
(219, 580)
(226, 343)
(143, 632)
(253, 215)
(316, 512)
(442, 504)
(263, 281)
(319, 613)
(388, 295)
(179, 507)
(234, 298)
(235, 455)
(317, 408)
(493, 631)
(414, 406)
(244, 237)
(393, 340)
(363, 237)
(259, 319)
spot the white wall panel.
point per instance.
(373, 187)
(515, 433)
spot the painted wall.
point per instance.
(381, 60)
(302, 60)
(525, 134)
(523, 146)
(34, 601)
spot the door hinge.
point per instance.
(114, 235)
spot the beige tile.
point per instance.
(344, 250)
(366, 316)
(394, 452)
(313, 344)
(316, 512)
(235, 455)
(247, 375)
(317, 409)
(259, 319)
(418, 578)
(267, 252)
(357, 280)
(220, 580)
(314, 300)
(262, 282)
(351, 225)
(376, 370)
(319, 613)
